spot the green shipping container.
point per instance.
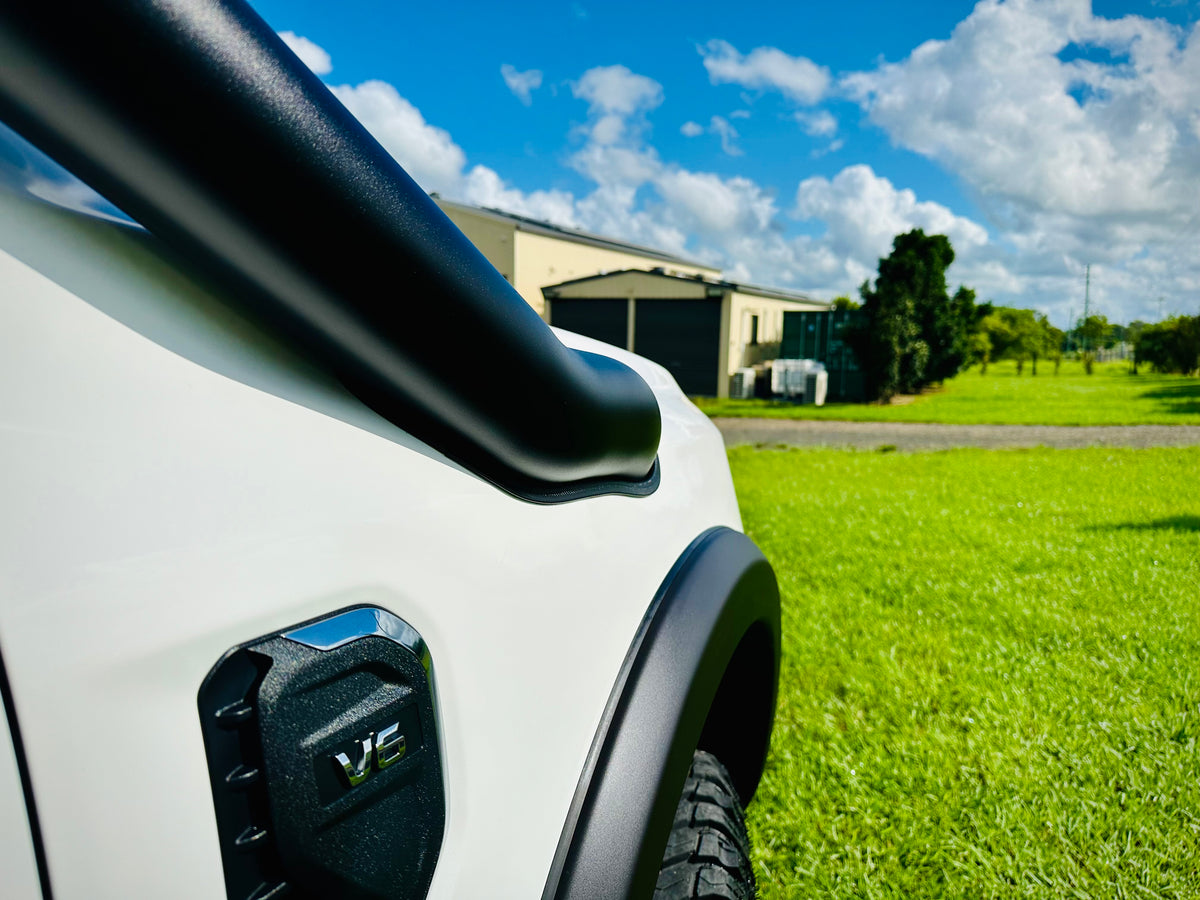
(818, 335)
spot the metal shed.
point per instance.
(702, 330)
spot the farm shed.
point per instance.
(700, 329)
(532, 254)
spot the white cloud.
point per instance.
(522, 84)
(704, 203)
(996, 104)
(728, 135)
(609, 164)
(437, 163)
(484, 187)
(616, 90)
(863, 212)
(766, 68)
(310, 54)
(729, 221)
(1076, 139)
(618, 101)
(732, 222)
(817, 124)
(721, 127)
(426, 152)
(1074, 160)
(1033, 257)
(608, 129)
(833, 147)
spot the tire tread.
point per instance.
(708, 853)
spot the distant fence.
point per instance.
(1112, 354)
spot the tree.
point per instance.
(1133, 334)
(1170, 346)
(1054, 338)
(880, 339)
(1018, 334)
(963, 323)
(981, 350)
(1093, 331)
(1046, 340)
(912, 332)
(1026, 337)
(997, 328)
(845, 303)
(1012, 334)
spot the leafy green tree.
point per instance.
(1000, 334)
(980, 345)
(1094, 331)
(962, 323)
(845, 303)
(1045, 341)
(1054, 338)
(1171, 346)
(880, 339)
(1133, 334)
(1026, 337)
(912, 332)
(1013, 334)
(1018, 334)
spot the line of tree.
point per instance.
(1169, 346)
(1019, 334)
(911, 333)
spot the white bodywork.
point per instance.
(175, 483)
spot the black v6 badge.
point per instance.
(323, 754)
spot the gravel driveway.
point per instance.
(925, 436)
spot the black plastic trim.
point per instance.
(197, 120)
(266, 718)
(35, 828)
(702, 673)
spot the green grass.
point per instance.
(991, 676)
(1109, 397)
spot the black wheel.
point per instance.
(708, 853)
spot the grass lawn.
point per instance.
(1109, 397)
(991, 677)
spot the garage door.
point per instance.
(604, 320)
(685, 337)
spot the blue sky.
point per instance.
(788, 143)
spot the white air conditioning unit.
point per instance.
(743, 385)
(789, 377)
(816, 386)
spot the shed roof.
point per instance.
(753, 290)
(549, 229)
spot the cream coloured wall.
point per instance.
(531, 261)
(542, 260)
(770, 327)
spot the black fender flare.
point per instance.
(702, 673)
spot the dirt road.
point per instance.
(924, 436)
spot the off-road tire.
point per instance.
(708, 853)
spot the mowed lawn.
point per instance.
(1111, 396)
(991, 676)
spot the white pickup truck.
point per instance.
(293, 601)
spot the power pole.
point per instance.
(1087, 290)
